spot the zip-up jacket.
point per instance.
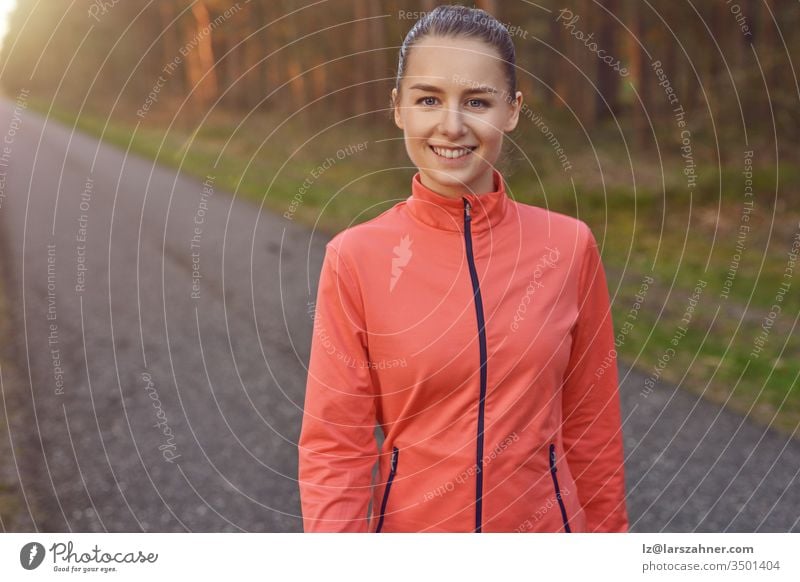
(476, 333)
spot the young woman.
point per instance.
(473, 329)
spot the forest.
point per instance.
(728, 62)
(668, 126)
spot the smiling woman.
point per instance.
(499, 420)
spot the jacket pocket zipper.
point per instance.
(392, 471)
(558, 490)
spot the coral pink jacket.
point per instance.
(476, 332)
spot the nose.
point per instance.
(452, 122)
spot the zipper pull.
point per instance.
(553, 458)
(393, 463)
(466, 210)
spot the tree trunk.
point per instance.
(556, 65)
(585, 79)
(639, 75)
(379, 87)
(291, 58)
(489, 6)
(608, 79)
(200, 60)
(361, 42)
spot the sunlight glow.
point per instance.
(6, 7)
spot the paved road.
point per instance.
(144, 407)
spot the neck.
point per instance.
(481, 186)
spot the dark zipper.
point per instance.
(558, 491)
(392, 471)
(482, 343)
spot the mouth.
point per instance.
(451, 153)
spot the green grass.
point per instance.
(641, 232)
(714, 358)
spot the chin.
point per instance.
(449, 178)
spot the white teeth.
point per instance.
(451, 153)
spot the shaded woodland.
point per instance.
(731, 65)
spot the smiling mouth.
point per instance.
(452, 153)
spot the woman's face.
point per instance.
(453, 110)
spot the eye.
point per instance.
(424, 99)
(478, 103)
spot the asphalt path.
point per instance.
(161, 332)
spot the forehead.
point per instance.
(454, 63)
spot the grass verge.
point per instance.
(678, 237)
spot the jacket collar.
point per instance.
(446, 213)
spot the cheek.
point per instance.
(415, 128)
(415, 141)
(490, 132)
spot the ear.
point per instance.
(511, 124)
(398, 120)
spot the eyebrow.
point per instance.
(435, 89)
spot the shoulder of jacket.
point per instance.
(358, 239)
(563, 224)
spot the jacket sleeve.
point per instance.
(337, 447)
(592, 431)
